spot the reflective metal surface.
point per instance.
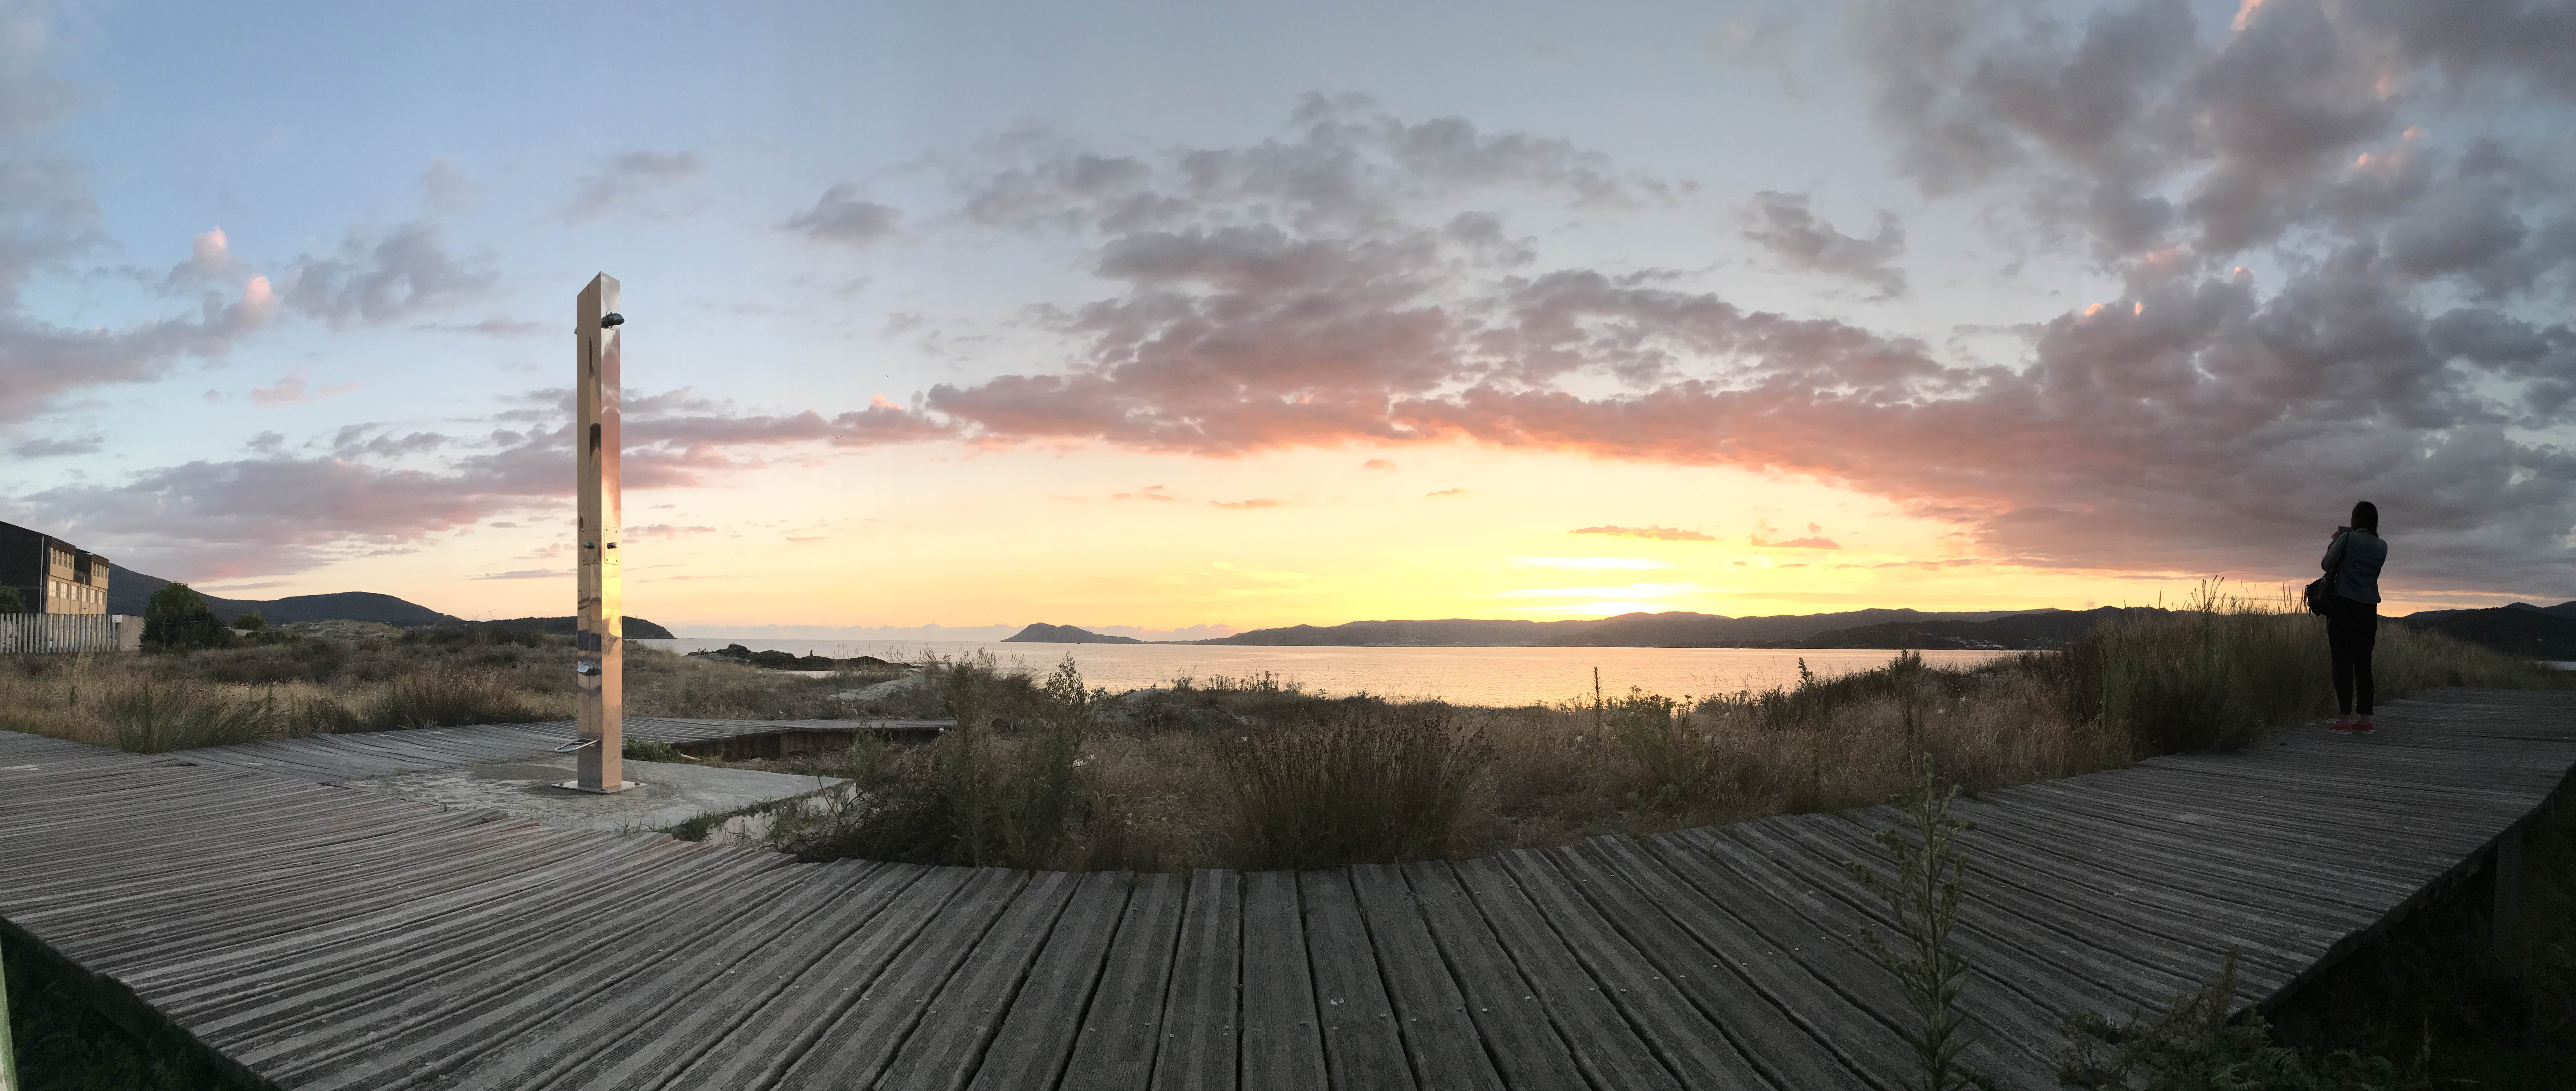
(599, 646)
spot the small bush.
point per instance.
(11, 602)
(251, 621)
(651, 751)
(1371, 786)
(1675, 758)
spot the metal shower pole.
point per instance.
(600, 656)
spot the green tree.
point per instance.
(11, 602)
(178, 618)
(250, 620)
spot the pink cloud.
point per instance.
(1660, 534)
(1798, 543)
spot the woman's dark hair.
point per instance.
(2366, 516)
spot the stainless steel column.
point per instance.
(600, 655)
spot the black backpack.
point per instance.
(2319, 590)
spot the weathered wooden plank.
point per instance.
(1697, 1050)
(1523, 1042)
(1047, 1016)
(1124, 1025)
(1609, 1051)
(1363, 1046)
(961, 1018)
(649, 1050)
(1787, 1053)
(1282, 1046)
(1203, 1012)
(781, 1030)
(854, 1048)
(1823, 931)
(1439, 1037)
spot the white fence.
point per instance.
(70, 633)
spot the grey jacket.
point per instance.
(2354, 560)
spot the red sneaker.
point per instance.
(2362, 727)
(2341, 727)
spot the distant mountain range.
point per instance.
(2521, 629)
(128, 591)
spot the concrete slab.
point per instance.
(664, 795)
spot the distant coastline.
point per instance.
(2521, 629)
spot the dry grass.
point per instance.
(1256, 773)
(357, 677)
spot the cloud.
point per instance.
(291, 390)
(276, 513)
(1797, 543)
(2182, 425)
(1444, 492)
(666, 530)
(626, 178)
(446, 188)
(32, 98)
(1793, 234)
(1588, 563)
(1247, 505)
(490, 327)
(841, 216)
(56, 448)
(1378, 464)
(1634, 590)
(376, 281)
(1660, 534)
(527, 574)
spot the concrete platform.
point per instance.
(664, 795)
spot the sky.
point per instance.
(1178, 320)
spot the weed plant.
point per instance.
(1923, 896)
(2195, 1045)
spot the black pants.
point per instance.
(2351, 628)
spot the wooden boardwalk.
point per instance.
(335, 759)
(321, 937)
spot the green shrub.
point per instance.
(250, 620)
(177, 618)
(651, 751)
(1370, 785)
(11, 602)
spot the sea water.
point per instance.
(1467, 676)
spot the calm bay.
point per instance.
(1468, 676)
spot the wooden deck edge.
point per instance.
(2458, 875)
(112, 1000)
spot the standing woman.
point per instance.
(2352, 613)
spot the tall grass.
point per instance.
(1370, 785)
